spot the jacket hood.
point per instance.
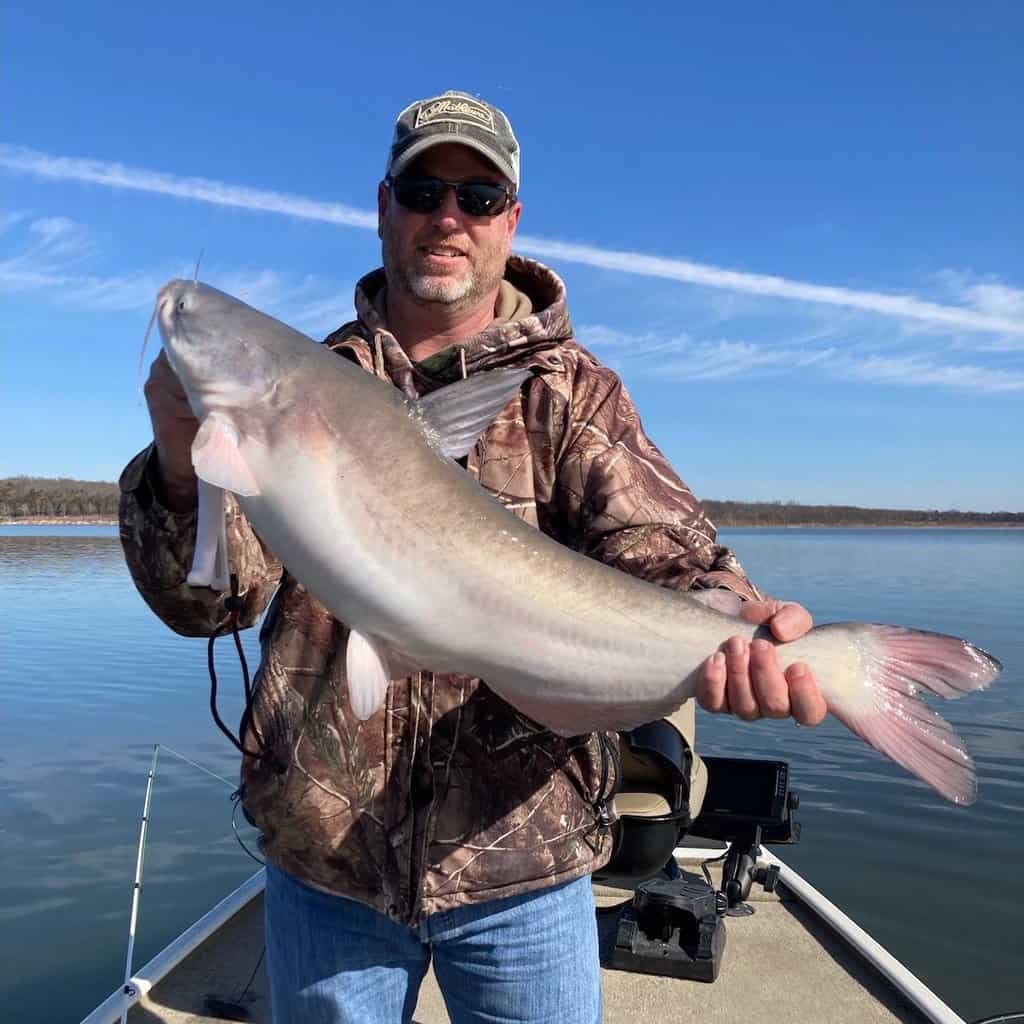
(531, 341)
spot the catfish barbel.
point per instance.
(355, 489)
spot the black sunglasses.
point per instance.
(425, 195)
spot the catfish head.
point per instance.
(221, 349)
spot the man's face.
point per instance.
(448, 256)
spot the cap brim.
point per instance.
(420, 146)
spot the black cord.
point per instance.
(712, 860)
(237, 799)
(234, 605)
(252, 976)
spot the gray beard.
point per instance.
(438, 289)
(426, 288)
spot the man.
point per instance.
(448, 826)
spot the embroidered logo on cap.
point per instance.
(449, 108)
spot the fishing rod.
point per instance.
(129, 990)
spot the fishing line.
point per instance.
(196, 764)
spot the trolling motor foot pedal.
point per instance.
(673, 927)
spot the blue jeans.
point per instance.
(531, 959)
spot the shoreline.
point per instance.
(58, 521)
(112, 521)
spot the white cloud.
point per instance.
(53, 248)
(49, 229)
(998, 299)
(117, 292)
(919, 371)
(53, 244)
(17, 278)
(9, 218)
(327, 314)
(900, 307)
(264, 289)
(988, 295)
(685, 357)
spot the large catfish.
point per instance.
(355, 488)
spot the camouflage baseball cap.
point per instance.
(455, 117)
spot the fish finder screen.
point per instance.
(744, 788)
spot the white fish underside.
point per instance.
(355, 498)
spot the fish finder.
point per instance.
(743, 795)
(674, 924)
(748, 802)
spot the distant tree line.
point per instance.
(23, 496)
(788, 513)
(31, 496)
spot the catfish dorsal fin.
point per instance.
(453, 417)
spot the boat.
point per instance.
(723, 931)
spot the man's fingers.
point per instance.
(786, 619)
(711, 686)
(163, 379)
(790, 621)
(807, 703)
(737, 687)
(745, 678)
(759, 611)
(770, 688)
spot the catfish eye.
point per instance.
(181, 305)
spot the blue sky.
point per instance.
(795, 230)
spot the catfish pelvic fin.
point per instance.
(368, 672)
(209, 560)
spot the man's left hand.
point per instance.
(744, 677)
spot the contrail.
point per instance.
(902, 306)
(116, 175)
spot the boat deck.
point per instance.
(780, 964)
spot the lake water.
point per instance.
(90, 680)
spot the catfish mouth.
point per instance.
(163, 313)
(174, 301)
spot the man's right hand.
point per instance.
(174, 430)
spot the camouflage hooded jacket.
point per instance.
(446, 795)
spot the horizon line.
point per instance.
(772, 502)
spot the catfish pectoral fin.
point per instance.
(217, 459)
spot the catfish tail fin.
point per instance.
(888, 713)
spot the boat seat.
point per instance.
(648, 805)
(660, 791)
